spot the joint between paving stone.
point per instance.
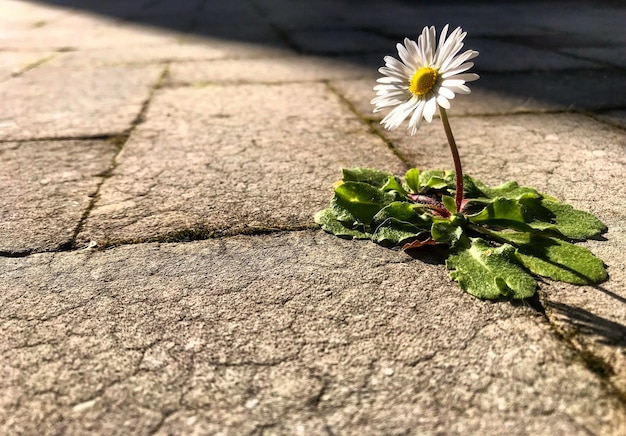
(115, 139)
(120, 141)
(593, 362)
(283, 35)
(371, 123)
(31, 66)
(203, 234)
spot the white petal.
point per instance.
(443, 102)
(395, 65)
(422, 43)
(453, 72)
(394, 74)
(430, 109)
(459, 89)
(416, 119)
(414, 52)
(389, 81)
(442, 37)
(452, 82)
(399, 114)
(452, 45)
(431, 45)
(445, 92)
(387, 100)
(467, 77)
(403, 53)
(452, 63)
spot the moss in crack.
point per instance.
(201, 234)
(118, 140)
(186, 235)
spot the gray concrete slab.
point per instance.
(15, 63)
(46, 188)
(498, 55)
(276, 169)
(616, 117)
(482, 100)
(610, 55)
(572, 157)
(20, 16)
(528, 92)
(95, 32)
(273, 70)
(293, 333)
(330, 41)
(60, 102)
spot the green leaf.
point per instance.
(554, 258)
(394, 185)
(487, 272)
(412, 179)
(328, 221)
(436, 179)
(402, 211)
(501, 212)
(562, 218)
(444, 232)
(368, 176)
(398, 222)
(341, 213)
(361, 200)
(470, 190)
(394, 232)
(509, 190)
(449, 203)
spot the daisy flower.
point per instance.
(426, 76)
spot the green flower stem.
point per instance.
(455, 157)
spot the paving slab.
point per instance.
(516, 93)
(231, 158)
(294, 331)
(496, 55)
(23, 15)
(46, 188)
(611, 55)
(616, 117)
(51, 102)
(95, 32)
(482, 100)
(14, 63)
(334, 42)
(273, 70)
(572, 157)
(287, 333)
(164, 53)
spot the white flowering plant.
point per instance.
(499, 238)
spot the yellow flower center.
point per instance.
(423, 81)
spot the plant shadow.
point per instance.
(430, 254)
(586, 323)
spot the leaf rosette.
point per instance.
(500, 240)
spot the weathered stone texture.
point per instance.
(252, 156)
(46, 188)
(298, 332)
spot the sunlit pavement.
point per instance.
(160, 269)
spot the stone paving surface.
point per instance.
(160, 270)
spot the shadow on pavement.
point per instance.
(588, 324)
(557, 54)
